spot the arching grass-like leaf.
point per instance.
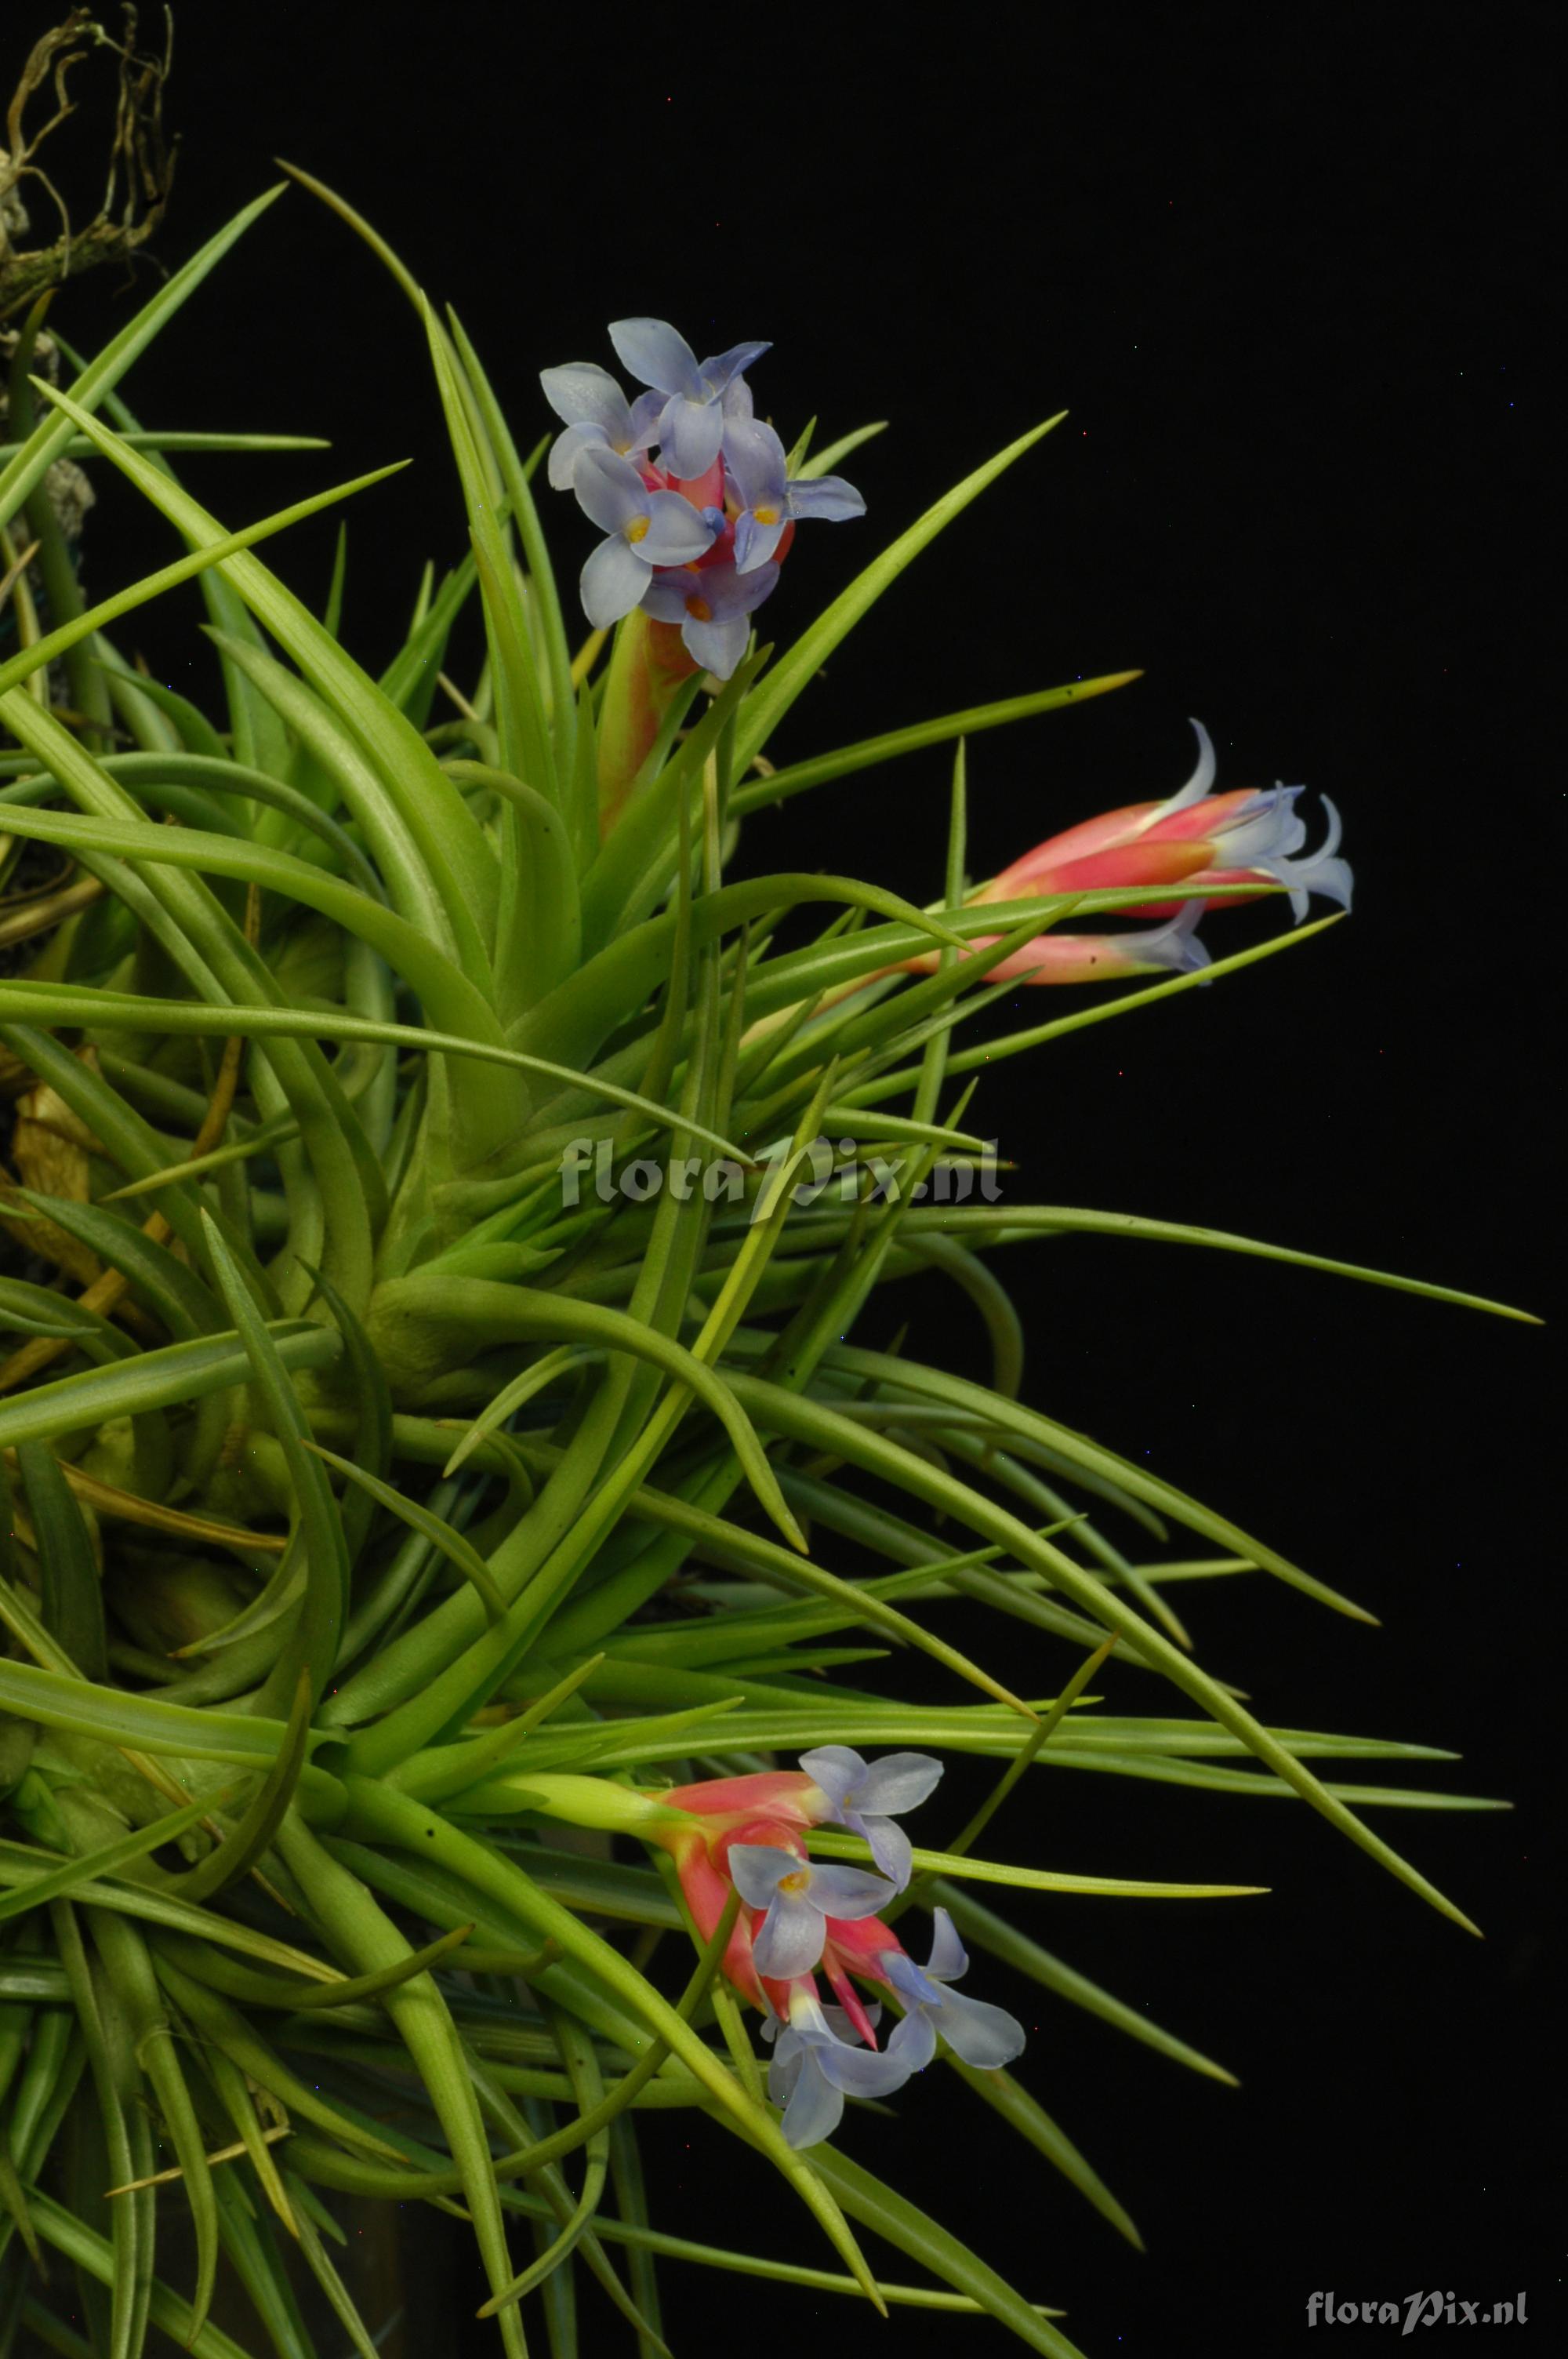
(27, 467)
(314, 1645)
(460, 865)
(71, 1601)
(796, 668)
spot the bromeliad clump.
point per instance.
(375, 1497)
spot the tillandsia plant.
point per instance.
(457, 1553)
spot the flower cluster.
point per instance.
(1250, 836)
(799, 1918)
(692, 493)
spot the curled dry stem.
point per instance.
(140, 162)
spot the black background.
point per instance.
(1290, 274)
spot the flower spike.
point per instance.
(683, 598)
(1250, 836)
(1194, 838)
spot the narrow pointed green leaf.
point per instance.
(169, 2311)
(156, 2052)
(460, 863)
(451, 1543)
(1020, 2111)
(53, 1879)
(326, 1597)
(786, 1413)
(71, 1601)
(252, 1837)
(541, 578)
(94, 2005)
(67, 635)
(759, 793)
(21, 1002)
(49, 442)
(435, 2049)
(766, 708)
(880, 2208)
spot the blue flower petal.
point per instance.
(1198, 785)
(846, 1892)
(657, 355)
(718, 373)
(984, 2036)
(565, 450)
(863, 2071)
(948, 1958)
(815, 2108)
(890, 1846)
(756, 457)
(690, 432)
(913, 2041)
(836, 1768)
(676, 531)
(613, 582)
(717, 647)
(898, 1782)
(754, 542)
(829, 496)
(664, 599)
(790, 1938)
(727, 592)
(609, 488)
(914, 1986)
(1174, 944)
(758, 1869)
(783, 2070)
(583, 393)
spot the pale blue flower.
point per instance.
(691, 421)
(1174, 944)
(1267, 835)
(1264, 832)
(981, 2034)
(710, 603)
(813, 2071)
(770, 498)
(597, 414)
(644, 529)
(866, 1797)
(799, 1897)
